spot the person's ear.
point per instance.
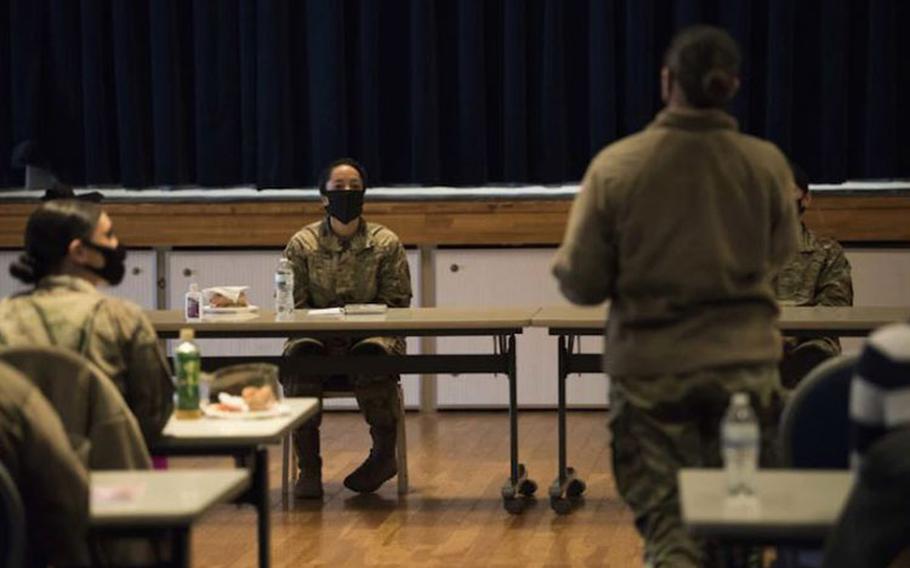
(77, 251)
(666, 84)
(324, 200)
(736, 84)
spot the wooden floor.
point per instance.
(453, 515)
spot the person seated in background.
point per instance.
(818, 275)
(52, 483)
(70, 250)
(874, 527)
(341, 260)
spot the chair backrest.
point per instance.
(12, 522)
(101, 427)
(815, 426)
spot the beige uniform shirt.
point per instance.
(682, 227)
(52, 483)
(111, 333)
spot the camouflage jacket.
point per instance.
(36, 452)
(111, 333)
(818, 275)
(370, 267)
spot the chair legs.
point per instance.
(288, 473)
(401, 448)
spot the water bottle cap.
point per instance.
(741, 399)
(187, 334)
(194, 287)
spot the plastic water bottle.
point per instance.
(284, 290)
(187, 366)
(739, 439)
(192, 304)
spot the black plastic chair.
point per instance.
(815, 426)
(12, 522)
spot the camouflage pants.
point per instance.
(662, 423)
(377, 395)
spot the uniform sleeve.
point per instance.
(585, 263)
(394, 288)
(296, 254)
(835, 285)
(150, 390)
(54, 484)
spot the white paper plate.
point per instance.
(230, 310)
(277, 410)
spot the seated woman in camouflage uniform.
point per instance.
(818, 275)
(71, 249)
(345, 260)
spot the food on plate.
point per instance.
(259, 398)
(219, 300)
(230, 403)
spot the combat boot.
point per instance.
(380, 465)
(306, 445)
(309, 484)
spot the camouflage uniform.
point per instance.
(36, 452)
(113, 334)
(370, 267)
(662, 423)
(819, 275)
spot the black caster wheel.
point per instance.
(575, 488)
(561, 506)
(527, 487)
(513, 506)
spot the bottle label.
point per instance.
(192, 308)
(188, 368)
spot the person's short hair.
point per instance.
(704, 61)
(49, 231)
(799, 176)
(327, 173)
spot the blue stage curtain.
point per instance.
(453, 92)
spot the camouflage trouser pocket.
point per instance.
(642, 465)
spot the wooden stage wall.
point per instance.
(851, 219)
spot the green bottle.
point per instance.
(187, 365)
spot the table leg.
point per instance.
(518, 483)
(180, 547)
(566, 488)
(260, 475)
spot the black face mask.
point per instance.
(114, 263)
(345, 205)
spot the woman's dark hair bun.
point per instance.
(718, 87)
(25, 269)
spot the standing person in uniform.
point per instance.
(682, 227)
(341, 260)
(70, 250)
(818, 275)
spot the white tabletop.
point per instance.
(160, 498)
(848, 320)
(210, 432)
(395, 319)
(791, 504)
